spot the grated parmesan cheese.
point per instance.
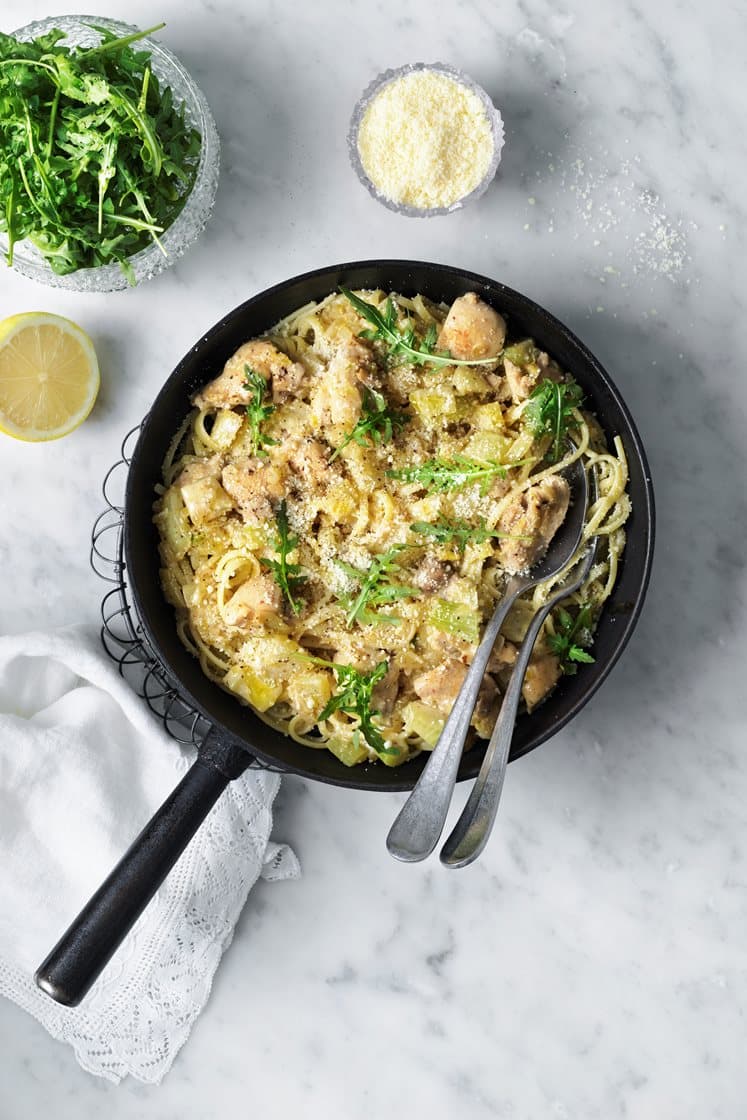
(425, 140)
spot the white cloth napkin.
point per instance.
(83, 765)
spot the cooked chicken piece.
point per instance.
(547, 367)
(431, 574)
(336, 402)
(498, 489)
(536, 513)
(487, 707)
(310, 463)
(227, 389)
(361, 357)
(289, 379)
(253, 488)
(541, 677)
(447, 646)
(439, 687)
(224, 391)
(472, 329)
(201, 468)
(504, 654)
(522, 382)
(253, 601)
(385, 692)
(501, 663)
(499, 385)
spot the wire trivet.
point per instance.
(121, 633)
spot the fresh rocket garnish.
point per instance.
(569, 640)
(438, 476)
(287, 576)
(403, 345)
(458, 532)
(256, 412)
(353, 696)
(377, 423)
(550, 410)
(376, 589)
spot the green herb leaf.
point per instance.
(376, 589)
(287, 576)
(459, 532)
(256, 412)
(354, 697)
(377, 422)
(404, 344)
(438, 476)
(95, 158)
(550, 411)
(570, 638)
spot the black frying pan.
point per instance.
(238, 735)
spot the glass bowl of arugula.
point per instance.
(109, 154)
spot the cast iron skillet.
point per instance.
(238, 735)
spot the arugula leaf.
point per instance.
(287, 576)
(438, 476)
(570, 638)
(354, 697)
(377, 422)
(459, 532)
(550, 411)
(405, 344)
(95, 159)
(375, 589)
(256, 412)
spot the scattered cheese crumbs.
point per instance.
(469, 502)
(425, 140)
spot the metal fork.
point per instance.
(417, 828)
(470, 834)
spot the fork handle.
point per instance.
(420, 822)
(470, 834)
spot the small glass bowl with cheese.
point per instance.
(425, 139)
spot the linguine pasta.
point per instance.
(375, 587)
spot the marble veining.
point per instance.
(592, 963)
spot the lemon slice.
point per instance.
(49, 376)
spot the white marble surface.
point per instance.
(593, 963)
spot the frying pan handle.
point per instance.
(92, 939)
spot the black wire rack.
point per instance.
(121, 633)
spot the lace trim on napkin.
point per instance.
(147, 999)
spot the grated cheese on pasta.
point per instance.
(348, 507)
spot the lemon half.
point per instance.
(49, 376)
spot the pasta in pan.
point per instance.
(343, 506)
